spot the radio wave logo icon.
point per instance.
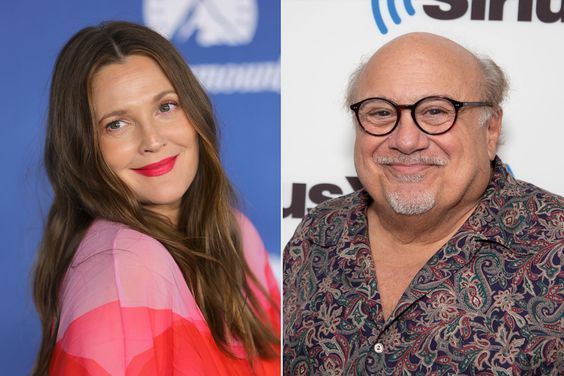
(213, 22)
(393, 13)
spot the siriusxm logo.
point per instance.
(546, 11)
(393, 13)
(216, 23)
(317, 194)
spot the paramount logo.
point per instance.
(239, 78)
(215, 23)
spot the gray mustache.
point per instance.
(411, 159)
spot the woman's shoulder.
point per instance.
(106, 240)
(117, 263)
(117, 258)
(104, 235)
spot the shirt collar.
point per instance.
(484, 221)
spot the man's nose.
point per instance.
(408, 137)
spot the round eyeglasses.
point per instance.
(433, 115)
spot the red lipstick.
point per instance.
(158, 168)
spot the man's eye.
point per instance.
(115, 125)
(167, 107)
(435, 111)
(379, 114)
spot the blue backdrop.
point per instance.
(233, 46)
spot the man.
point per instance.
(444, 263)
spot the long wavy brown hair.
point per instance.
(205, 244)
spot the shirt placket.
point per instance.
(368, 357)
(449, 260)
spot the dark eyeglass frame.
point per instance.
(399, 107)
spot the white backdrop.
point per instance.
(324, 40)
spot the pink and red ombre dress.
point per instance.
(126, 310)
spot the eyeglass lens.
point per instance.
(434, 115)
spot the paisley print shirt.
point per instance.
(489, 302)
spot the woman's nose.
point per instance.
(152, 140)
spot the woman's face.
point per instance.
(145, 136)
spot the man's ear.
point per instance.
(494, 132)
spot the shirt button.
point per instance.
(379, 348)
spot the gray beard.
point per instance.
(412, 203)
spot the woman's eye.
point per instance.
(167, 107)
(115, 125)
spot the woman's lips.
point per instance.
(158, 168)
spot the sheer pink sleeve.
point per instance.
(258, 261)
(126, 310)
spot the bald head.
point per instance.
(423, 47)
(427, 64)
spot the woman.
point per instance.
(145, 267)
